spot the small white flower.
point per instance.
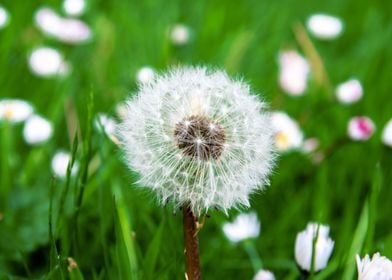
(349, 92)
(37, 130)
(324, 26)
(287, 133)
(67, 30)
(4, 17)
(197, 137)
(145, 74)
(264, 275)
(15, 110)
(304, 244)
(107, 125)
(48, 62)
(377, 268)
(74, 7)
(387, 134)
(60, 163)
(360, 128)
(180, 34)
(243, 227)
(293, 72)
(310, 145)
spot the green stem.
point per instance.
(255, 259)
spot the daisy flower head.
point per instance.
(15, 110)
(376, 268)
(287, 133)
(243, 227)
(325, 27)
(37, 130)
(4, 17)
(349, 92)
(304, 244)
(360, 128)
(386, 136)
(198, 138)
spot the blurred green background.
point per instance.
(114, 230)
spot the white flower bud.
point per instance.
(60, 163)
(349, 92)
(387, 134)
(264, 275)
(377, 268)
(37, 130)
(304, 245)
(324, 26)
(243, 227)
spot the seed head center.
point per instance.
(200, 137)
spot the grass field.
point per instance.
(115, 230)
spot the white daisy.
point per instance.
(37, 130)
(15, 110)
(243, 227)
(324, 26)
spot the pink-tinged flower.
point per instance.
(324, 27)
(387, 134)
(293, 72)
(360, 128)
(376, 268)
(66, 30)
(349, 92)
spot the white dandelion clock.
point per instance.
(376, 268)
(198, 138)
(245, 226)
(37, 130)
(304, 244)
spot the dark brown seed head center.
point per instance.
(199, 137)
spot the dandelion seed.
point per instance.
(167, 133)
(180, 34)
(264, 275)
(15, 110)
(349, 92)
(48, 62)
(387, 134)
(376, 268)
(324, 26)
(245, 226)
(304, 244)
(60, 163)
(37, 130)
(293, 72)
(360, 128)
(145, 74)
(74, 7)
(4, 17)
(287, 133)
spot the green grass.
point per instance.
(114, 230)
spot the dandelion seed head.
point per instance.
(203, 124)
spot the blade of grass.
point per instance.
(152, 253)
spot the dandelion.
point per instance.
(60, 163)
(324, 26)
(349, 92)
(74, 7)
(37, 130)
(199, 140)
(264, 275)
(293, 72)
(287, 133)
(67, 30)
(15, 110)
(48, 62)
(360, 128)
(376, 268)
(387, 134)
(145, 74)
(304, 244)
(245, 226)
(180, 34)
(4, 17)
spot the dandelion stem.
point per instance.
(192, 260)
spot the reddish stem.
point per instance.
(192, 260)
